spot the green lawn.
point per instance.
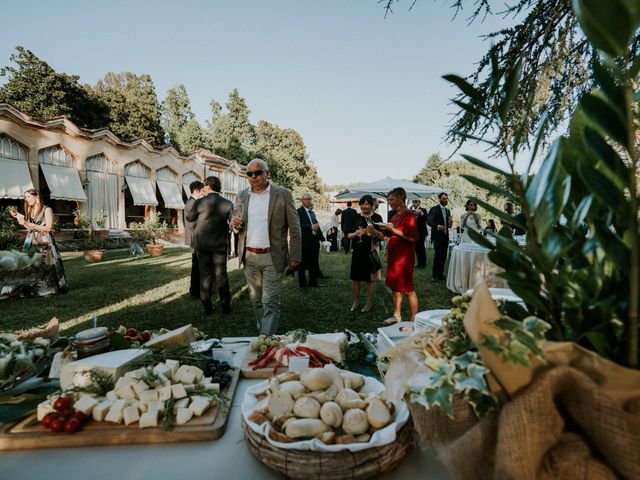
(151, 293)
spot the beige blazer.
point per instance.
(283, 222)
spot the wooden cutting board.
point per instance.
(260, 373)
(211, 426)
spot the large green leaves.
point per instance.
(608, 24)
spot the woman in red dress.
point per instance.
(402, 233)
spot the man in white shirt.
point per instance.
(269, 218)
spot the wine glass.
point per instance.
(238, 211)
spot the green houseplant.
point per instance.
(92, 247)
(148, 232)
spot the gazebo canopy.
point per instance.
(380, 188)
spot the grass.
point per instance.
(150, 293)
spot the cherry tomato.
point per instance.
(71, 425)
(130, 339)
(62, 403)
(145, 336)
(56, 425)
(47, 419)
(81, 416)
(131, 332)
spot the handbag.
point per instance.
(376, 264)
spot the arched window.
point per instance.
(57, 156)
(11, 149)
(102, 190)
(136, 169)
(167, 175)
(167, 181)
(100, 163)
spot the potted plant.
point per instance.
(92, 247)
(149, 232)
(100, 220)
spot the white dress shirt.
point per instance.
(258, 219)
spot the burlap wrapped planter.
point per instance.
(563, 425)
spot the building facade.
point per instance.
(96, 172)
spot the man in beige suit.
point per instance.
(269, 217)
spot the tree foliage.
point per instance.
(181, 128)
(35, 88)
(232, 134)
(134, 111)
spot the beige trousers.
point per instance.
(265, 290)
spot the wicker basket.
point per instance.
(435, 427)
(310, 465)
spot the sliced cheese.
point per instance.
(148, 419)
(180, 336)
(199, 405)
(149, 396)
(140, 387)
(183, 416)
(126, 393)
(118, 405)
(178, 391)
(100, 410)
(164, 393)
(173, 365)
(85, 404)
(114, 416)
(44, 408)
(130, 415)
(115, 364)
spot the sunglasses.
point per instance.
(257, 173)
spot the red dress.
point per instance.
(401, 253)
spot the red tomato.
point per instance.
(62, 403)
(56, 425)
(47, 419)
(131, 332)
(145, 336)
(71, 425)
(81, 416)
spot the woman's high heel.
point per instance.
(367, 309)
(354, 307)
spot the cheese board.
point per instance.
(29, 434)
(247, 370)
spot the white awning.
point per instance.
(14, 178)
(142, 190)
(171, 194)
(63, 182)
(186, 189)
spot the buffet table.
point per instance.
(468, 264)
(226, 458)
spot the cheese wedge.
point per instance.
(178, 391)
(100, 410)
(115, 364)
(183, 416)
(333, 345)
(199, 405)
(148, 419)
(130, 415)
(180, 336)
(85, 404)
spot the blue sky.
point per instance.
(365, 92)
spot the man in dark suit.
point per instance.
(347, 221)
(423, 230)
(439, 219)
(196, 192)
(211, 214)
(311, 236)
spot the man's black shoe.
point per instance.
(316, 285)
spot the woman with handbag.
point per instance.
(365, 259)
(403, 234)
(38, 220)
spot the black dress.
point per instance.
(360, 258)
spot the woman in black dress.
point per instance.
(38, 220)
(365, 240)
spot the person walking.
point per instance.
(265, 216)
(189, 239)
(211, 214)
(440, 221)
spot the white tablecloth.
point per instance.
(225, 458)
(468, 264)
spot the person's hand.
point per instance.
(236, 222)
(370, 230)
(315, 227)
(441, 228)
(293, 264)
(21, 221)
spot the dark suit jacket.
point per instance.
(434, 219)
(189, 226)
(347, 220)
(284, 224)
(211, 216)
(421, 221)
(306, 234)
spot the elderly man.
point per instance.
(268, 217)
(311, 238)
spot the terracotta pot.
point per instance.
(93, 256)
(155, 250)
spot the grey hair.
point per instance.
(306, 195)
(259, 161)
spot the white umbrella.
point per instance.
(380, 188)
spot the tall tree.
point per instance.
(133, 104)
(35, 88)
(231, 133)
(179, 123)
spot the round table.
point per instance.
(468, 264)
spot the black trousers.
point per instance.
(213, 272)
(315, 259)
(441, 248)
(346, 242)
(308, 263)
(194, 286)
(421, 252)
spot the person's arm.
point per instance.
(411, 233)
(293, 220)
(431, 221)
(48, 223)
(191, 212)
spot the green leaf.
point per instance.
(440, 397)
(510, 90)
(472, 379)
(603, 189)
(581, 211)
(480, 239)
(469, 108)
(609, 25)
(490, 187)
(606, 155)
(549, 171)
(485, 165)
(600, 342)
(468, 89)
(606, 117)
(468, 136)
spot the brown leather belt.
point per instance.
(258, 250)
